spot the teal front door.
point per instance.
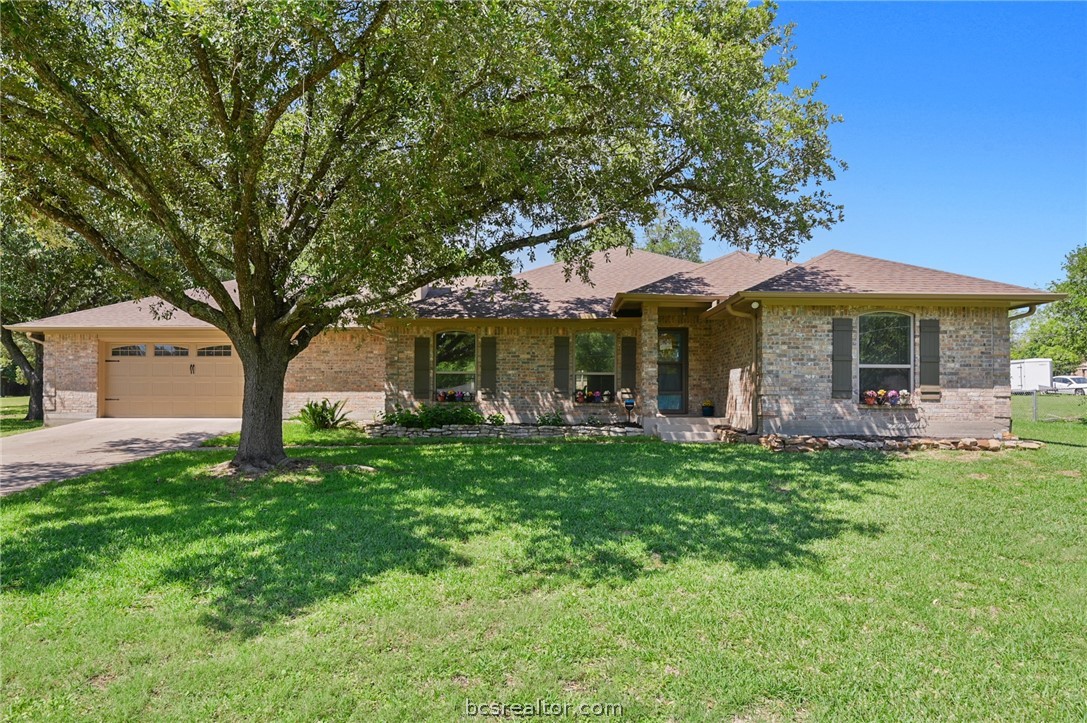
(672, 371)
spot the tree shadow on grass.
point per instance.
(256, 553)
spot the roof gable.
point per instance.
(721, 277)
(549, 295)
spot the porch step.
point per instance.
(686, 429)
(688, 437)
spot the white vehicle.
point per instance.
(1070, 385)
(1029, 375)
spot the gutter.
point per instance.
(1031, 308)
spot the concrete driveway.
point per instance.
(33, 458)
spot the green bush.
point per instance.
(550, 419)
(428, 416)
(324, 415)
(495, 420)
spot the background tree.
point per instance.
(44, 272)
(669, 237)
(1059, 330)
(333, 156)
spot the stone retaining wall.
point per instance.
(505, 431)
(805, 443)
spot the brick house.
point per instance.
(776, 347)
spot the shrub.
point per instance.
(324, 415)
(594, 421)
(550, 419)
(495, 420)
(428, 416)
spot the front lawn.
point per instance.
(681, 582)
(12, 411)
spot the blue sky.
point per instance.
(965, 131)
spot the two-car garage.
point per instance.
(170, 378)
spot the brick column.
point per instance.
(647, 361)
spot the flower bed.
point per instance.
(504, 431)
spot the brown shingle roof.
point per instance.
(839, 272)
(721, 277)
(547, 293)
(142, 313)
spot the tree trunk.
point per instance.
(33, 371)
(35, 407)
(261, 446)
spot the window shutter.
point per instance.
(930, 359)
(421, 388)
(628, 355)
(562, 364)
(841, 355)
(488, 363)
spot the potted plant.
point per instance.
(904, 397)
(580, 396)
(597, 396)
(870, 397)
(707, 407)
(441, 396)
(892, 398)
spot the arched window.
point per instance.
(455, 361)
(885, 356)
(216, 350)
(171, 350)
(129, 350)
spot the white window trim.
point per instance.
(909, 366)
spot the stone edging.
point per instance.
(503, 431)
(807, 443)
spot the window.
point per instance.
(594, 362)
(129, 350)
(455, 362)
(217, 350)
(170, 350)
(885, 360)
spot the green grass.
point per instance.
(682, 582)
(295, 434)
(12, 411)
(1051, 407)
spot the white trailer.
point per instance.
(1029, 375)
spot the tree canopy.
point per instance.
(1059, 330)
(667, 236)
(333, 156)
(44, 272)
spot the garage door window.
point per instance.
(217, 350)
(129, 350)
(170, 350)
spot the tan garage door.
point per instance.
(172, 379)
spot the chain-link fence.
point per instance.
(1041, 406)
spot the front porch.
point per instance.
(685, 360)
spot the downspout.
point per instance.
(1031, 308)
(754, 359)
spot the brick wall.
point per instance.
(525, 357)
(70, 388)
(795, 375)
(339, 365)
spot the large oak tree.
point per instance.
(333, 156)
(44, 272)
